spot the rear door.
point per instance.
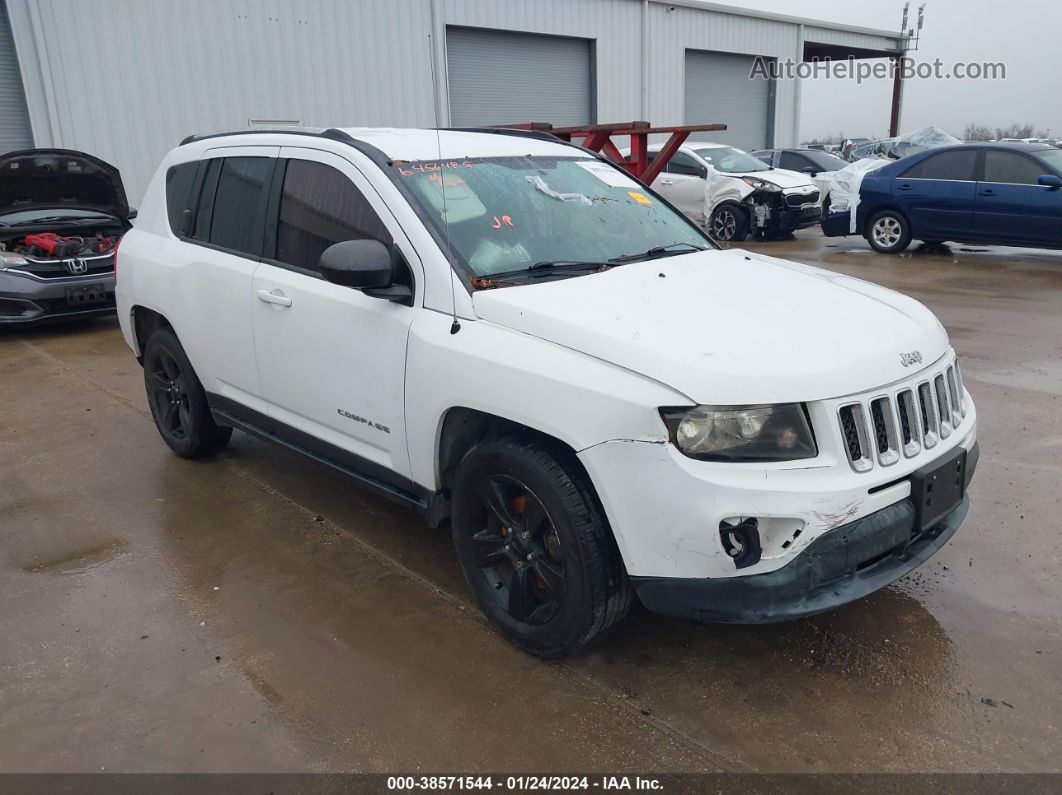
(1012, 207)
(332, 359)
(214, 270)
(682, 183)
(937, 194)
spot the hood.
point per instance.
(781, 177)
(728, 327)
(43, 179)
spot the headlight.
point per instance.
(742, 433)
(760, 184)
(9, 260)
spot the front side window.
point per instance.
(509, 213)
(682, 163)
(731, 161)
(319, 206)
(237, 204)
(794, 162)
(1010, 167)
(958, 165)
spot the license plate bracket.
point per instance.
(86, 294)
(938, 488)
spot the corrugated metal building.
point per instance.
(127, 79)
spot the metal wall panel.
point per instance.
(498, 77)
(672, 33)
(717, 85)
(15, 130)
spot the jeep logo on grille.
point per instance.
(77, 266)
(907, 359)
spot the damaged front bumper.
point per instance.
(775, 213)
(844, 564)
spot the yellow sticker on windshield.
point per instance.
(639, 197)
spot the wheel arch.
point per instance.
(144, 322)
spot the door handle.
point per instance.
(987, 192)
(667, 182)
(904, 186)
(274, 297)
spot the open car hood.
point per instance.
(44, 179)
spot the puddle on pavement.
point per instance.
(79, 560)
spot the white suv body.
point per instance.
(451, 372)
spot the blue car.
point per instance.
(1006, 194)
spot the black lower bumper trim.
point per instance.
(844, 564)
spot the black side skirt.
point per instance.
(368, 473)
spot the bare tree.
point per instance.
(977, 132)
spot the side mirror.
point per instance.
(809, 170)
(703, 172)
(1050, 181)
(365, 265)
(131, 214)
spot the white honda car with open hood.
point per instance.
(520, 341)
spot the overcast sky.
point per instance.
(1026, 35)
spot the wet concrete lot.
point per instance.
(257, 612)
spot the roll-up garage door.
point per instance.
(499, 77)
(718, 90)
(15, 130)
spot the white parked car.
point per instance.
(731, 193)
(518, 340)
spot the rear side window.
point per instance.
(1013, 168)
(236, 222)
(319, 206)
(179, 180)
(957, 165)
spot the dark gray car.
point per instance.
(62, 214)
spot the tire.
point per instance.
(888, 232)
(728, 224)
(177, 401)
(535, 548)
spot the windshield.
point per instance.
(23, 217)
(731, 161)
(825, 161)
(510, 213)
(1053, 158)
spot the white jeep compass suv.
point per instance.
(517, 339)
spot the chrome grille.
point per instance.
(882, 428)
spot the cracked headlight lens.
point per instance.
(742, 433)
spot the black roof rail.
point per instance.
(332, 133)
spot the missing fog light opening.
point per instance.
(741, 542)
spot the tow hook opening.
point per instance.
(741, 542)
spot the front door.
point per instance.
(937, 195)
(682, 184)
(331, 358)
(1012, 207)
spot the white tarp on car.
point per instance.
(844, 195)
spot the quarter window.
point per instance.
(319, 206)
(235, 223)
(179, 181)
(1012, 168)
(956, 165)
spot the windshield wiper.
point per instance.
(658, 251)
(544, 268)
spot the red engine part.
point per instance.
(49, 244)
